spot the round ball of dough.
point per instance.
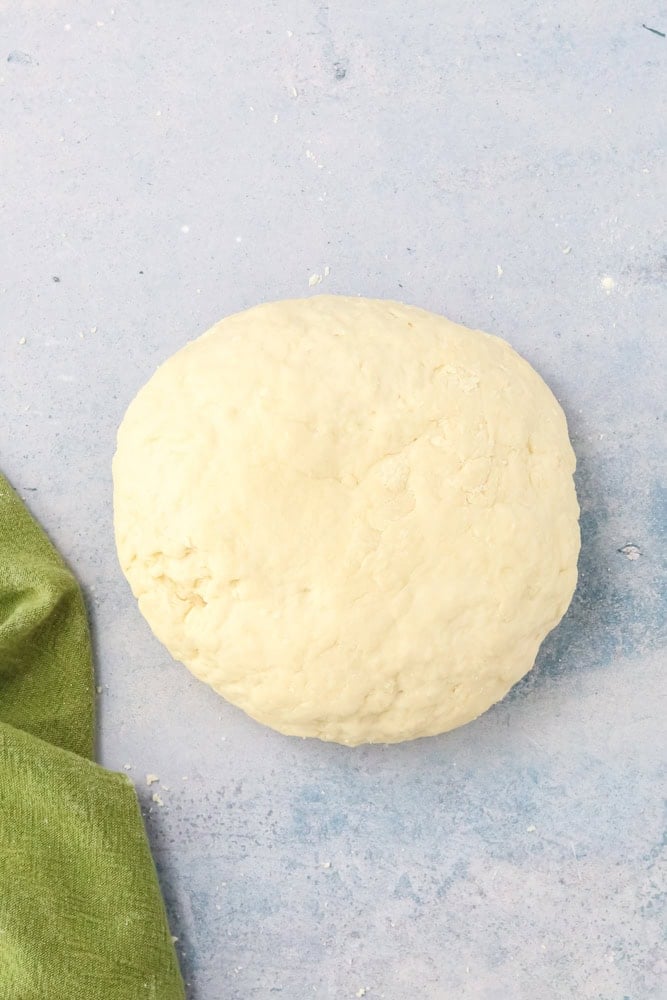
(353, 518)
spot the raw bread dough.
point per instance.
(353, 518)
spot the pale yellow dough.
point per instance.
(353, 518)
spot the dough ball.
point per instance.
(353, 518)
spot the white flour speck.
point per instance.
(607, 283)
(311, 156)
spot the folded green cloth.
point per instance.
(81, 915)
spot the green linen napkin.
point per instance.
(81, 915)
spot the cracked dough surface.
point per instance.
(353, 518)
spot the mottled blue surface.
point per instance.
(171, 162)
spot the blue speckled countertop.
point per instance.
(166, 163)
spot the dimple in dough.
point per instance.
(353, 518)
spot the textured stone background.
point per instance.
(166, 163)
